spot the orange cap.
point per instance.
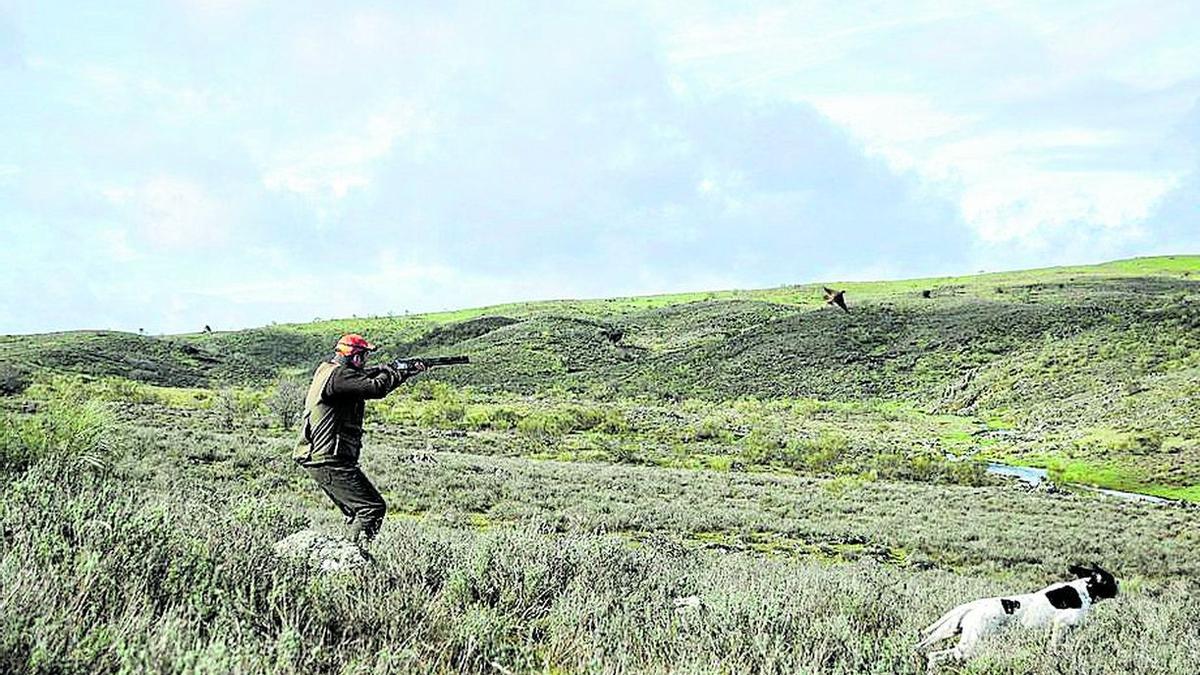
(353, 343)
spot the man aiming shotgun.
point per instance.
(332, 429)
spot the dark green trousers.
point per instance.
(354, 494)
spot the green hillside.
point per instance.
(1093, 371)
(815, 478)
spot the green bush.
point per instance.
(498, 418)
(613, 422)
(64, 430)
(225, 407)
(431, 390)
(286, 401)
(759, 447)
(710, 428)
(13, 380)
(558, 421)
(820, 454)
(79, 388)
(1132, 442)
(925, 467)
(967, 472)
(623, 453)
(119, 389)
(443, 413)
(544, 423)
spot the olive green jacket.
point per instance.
(332, 427)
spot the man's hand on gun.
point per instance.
(401, 374)
(402, 369)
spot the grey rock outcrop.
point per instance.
(321, 551)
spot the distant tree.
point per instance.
(286, 402)
(207, 328)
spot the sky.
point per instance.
(233, 163)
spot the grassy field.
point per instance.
(150, 550)
(1092, 372)
(815, 477)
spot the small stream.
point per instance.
(1035, 476)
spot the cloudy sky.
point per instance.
(165, 165)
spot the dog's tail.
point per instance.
(945, 627)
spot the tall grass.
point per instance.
(68, 430)
(98, 576)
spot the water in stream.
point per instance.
(1035, 476)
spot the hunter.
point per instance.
(332, 429)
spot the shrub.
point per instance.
(491, 417)
(12, 380)
(843, 484)
(431, 390)
(225, 407)
(967, 472)
(119, 389)
(623, 453)
(929, 468)
(286, 401)
(63, 429)
(761, 448)
(250, 402)
(443, 413)
(544, 423)
(478, 417)
(822, 453)
(613, 421)
(711, 427)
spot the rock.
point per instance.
(688, 604)
(1047, 487)
(321, 551)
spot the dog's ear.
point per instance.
(1102, 575)
(1102, 584)
(1079, 571)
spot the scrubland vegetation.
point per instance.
(815, 478)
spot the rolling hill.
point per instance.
(1094, 369)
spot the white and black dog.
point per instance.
(1059, 606)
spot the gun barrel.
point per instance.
(407, 364)
(445, 360)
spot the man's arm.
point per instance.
(370, 383)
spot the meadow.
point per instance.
(816, 479)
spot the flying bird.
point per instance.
(838, 298)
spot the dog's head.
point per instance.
(1100, 583)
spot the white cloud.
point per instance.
(121, 88)
(973, 99)
(1014, 205)
(116, 244)
(331, 166)
(173, 212)
(1010, 187)
(1009, 184)
(755, 46)
(899, 127)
